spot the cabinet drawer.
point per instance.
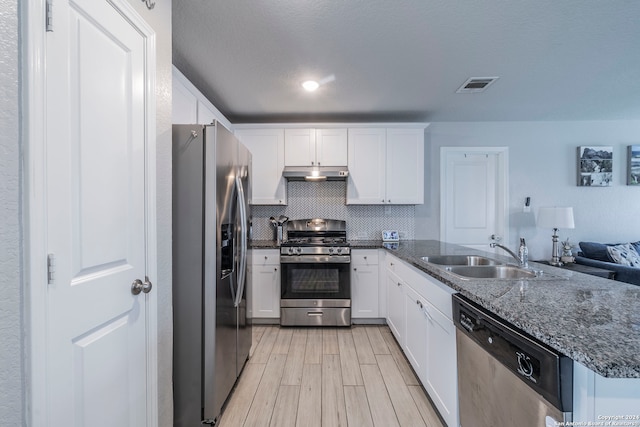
(392, 263)
(432, 290)
(364, 257)
(265, 257)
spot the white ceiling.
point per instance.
(403, 60)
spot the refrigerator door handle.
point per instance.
(243, 242)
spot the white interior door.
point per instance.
(99, 137)
(473, 195)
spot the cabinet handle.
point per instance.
(355, 269)
(399, 284)
(382, 200)
(419, 303)
(275, 268)
(426, 313)
(365, 257)
(389, 201)
(266, 257)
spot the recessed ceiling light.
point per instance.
(310, 85)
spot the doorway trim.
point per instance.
(502, 190)
(33, 76)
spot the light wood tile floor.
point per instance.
(325, 377)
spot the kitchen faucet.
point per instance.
(523, 252)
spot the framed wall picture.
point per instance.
(633, 165)
(595, 166)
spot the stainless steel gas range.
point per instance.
(315, 274)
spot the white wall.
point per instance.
(543, 166)
(12, 385)
(160, 20)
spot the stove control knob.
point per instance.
(331, 251)
(339, 250)
(290, 251)
(298, 251)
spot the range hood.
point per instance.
(315, 173)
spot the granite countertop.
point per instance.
(263, 244)
(594, 321)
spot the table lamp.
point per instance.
(555, 217)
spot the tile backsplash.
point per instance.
(327, 200)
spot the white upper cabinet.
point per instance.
(205, 114)
(185, 105)
(268, 187)
(189, 105)
(405, 166)
(299, 147)
(386, 166)
(315, 147)
(331, 147)
(366, 182)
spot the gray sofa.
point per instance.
(596, 255)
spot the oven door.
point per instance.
(315, 279)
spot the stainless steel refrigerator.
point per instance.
(211, 223)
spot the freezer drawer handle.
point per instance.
(314, 313)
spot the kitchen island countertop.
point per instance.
(594, 321)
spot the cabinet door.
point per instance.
(364, 291)
(268, 187)
(299, 147)
(395, 306)
(265, 291)
(405, 166)
(441, 380)
(331, 147)
(366, 182)
(205, 115)
(184, 110)
(416, 332)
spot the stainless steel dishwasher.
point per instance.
(505, 377)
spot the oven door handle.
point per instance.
(315, 259)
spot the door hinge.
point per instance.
(51, 268)
(49, 15)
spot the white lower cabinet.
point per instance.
(417, 326)
(364, 284)
(604, 401)
(395, 306)
(263, 292)
(441, 368)
(419, 315)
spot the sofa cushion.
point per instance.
(593, 250)
(625, 254)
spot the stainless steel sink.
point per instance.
(491, 272)
(460, 260)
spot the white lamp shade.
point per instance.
(556, 217)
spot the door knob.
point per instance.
(136, 287)
(147, 285)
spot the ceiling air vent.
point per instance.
(476, 84)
